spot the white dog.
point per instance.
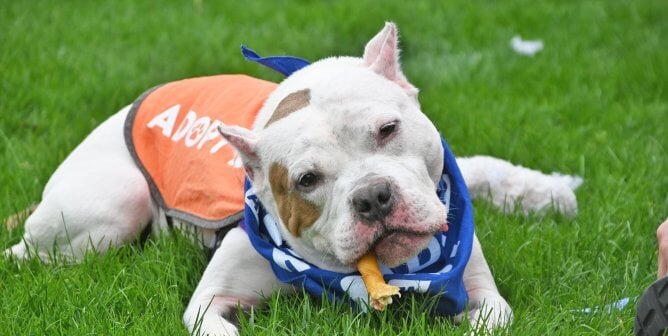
(341, 160)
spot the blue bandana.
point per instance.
(437, 270)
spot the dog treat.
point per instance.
(380, 292)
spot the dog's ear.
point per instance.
(381, 55)
(245, 143)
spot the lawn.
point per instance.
(594, 102)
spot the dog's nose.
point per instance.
(374, 201)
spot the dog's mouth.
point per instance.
(396, 246)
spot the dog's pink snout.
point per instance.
(373, 202)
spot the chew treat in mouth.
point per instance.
(380, 292)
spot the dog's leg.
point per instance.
(507, 185)
(96, 198)
(487, 308)
(236, 276)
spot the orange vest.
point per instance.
(172, 134)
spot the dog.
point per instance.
(340, 161)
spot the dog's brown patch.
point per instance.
(296, 212)
(291, 103)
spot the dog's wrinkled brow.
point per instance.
(291, 103)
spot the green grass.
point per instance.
(593, 103)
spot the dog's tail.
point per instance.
(14, 220)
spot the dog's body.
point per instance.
(349, 164)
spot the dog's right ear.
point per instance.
(381, 55)
(245, 143)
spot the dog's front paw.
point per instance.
(215, 326)
(21, 252)
(488, 312)
(208, 319)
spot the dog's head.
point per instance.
(344, 158)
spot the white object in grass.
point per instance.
(526, 47)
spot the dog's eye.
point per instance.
(307, 181)
(387, 130)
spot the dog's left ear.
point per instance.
(381, 55)
(245, 142)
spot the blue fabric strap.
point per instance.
(286, 65)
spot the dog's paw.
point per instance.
(215, 326)
(17, 252)
(214, 316)
(488, 312)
